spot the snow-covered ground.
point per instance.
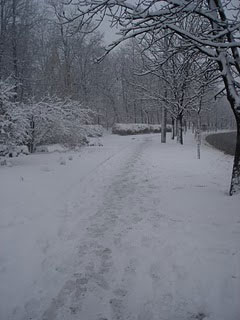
(133, 230)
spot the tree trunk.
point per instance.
(14, 45)
(176, 128)
(199, 137)
(193, 127)
(147, 117)
(180, 129)
(135, 112)
(2, 34)
(233, 98)
(107, 122)
(158, 118)
(235, 181)
(173, 128)
(31, 143)
(163, 125)
(185, 126)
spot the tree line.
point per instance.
(209, 28)
(52, 81)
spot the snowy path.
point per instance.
(133, 230)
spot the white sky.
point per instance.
(110, 33)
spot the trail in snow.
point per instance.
(142, 231)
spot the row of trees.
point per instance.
(50, 83)
(206, 28)
(47, 76)
(44, 56)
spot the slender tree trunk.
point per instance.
(199, 137)
(185, 126)
(147, 117)
(31, 144)
(2, 34)
(181, 129)
(158, 118)
(176, 128)
(107, 122)
(193, 127)
(163, 125)
(173, 128)
(135, 112)
(14, 42)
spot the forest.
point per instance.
(52, 82)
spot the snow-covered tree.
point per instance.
(54, 120)
(13, 120)
(217, 37)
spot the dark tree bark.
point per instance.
(14, 40)
(173, 128)
(233, 100)
(31, 144)
(163, 125)
(2, 33)
(180, 128)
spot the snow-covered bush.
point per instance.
(5, 162)
(93, 130)
(12, 151)
(13, 119)
(56, 121)
(45, 120)
(48, 121)
(77, 119)
(137, 128)
(51, 148)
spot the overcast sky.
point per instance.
(110, 33)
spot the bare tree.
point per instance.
(217, 37)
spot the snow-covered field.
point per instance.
(133, 230)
